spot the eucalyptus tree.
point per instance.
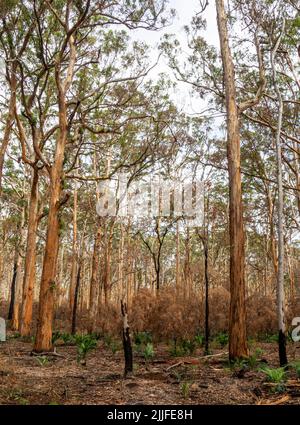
(13, 205)
(279, 23)
(63, 33)
(13, 43)
(264, 115)
(204, 73)
(245, 73)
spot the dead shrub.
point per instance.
(219, 300)
(261, 315)
(166, 315)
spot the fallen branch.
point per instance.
(213, 355)
(48, 354)
(174, 365)
(196, 360)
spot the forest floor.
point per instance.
(26, 379)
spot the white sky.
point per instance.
(185, 9)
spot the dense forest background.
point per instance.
(79, 104)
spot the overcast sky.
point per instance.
(185, 9)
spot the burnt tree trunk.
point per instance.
(206, 349)
(75, 302)
(127, 346)
(12, 292)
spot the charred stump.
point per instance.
(127, 346)
(75, 303)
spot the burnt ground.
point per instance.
(26, 379)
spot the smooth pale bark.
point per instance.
(297, 173)
(280, 273)
(237, 316)
(130, 273)
(187, 265)
(121, 292)
(273, 246)
(30, 259)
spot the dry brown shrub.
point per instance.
(261, 315)
(142, 306)
(166, 315)
(109, 320)
(293, 310)
(170, 315)
(219, 300)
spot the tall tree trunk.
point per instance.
(76, 292)
(9, 120)
(237, 316)
(157, 272)
(187, 265)
(205, 246)
(206, 279)
(15, 320)
(74, 254)
(94, 286)
(43, 341)
(280, 274)
(62, 294)
(297, 173)
(127, 346)
(121, 293)
(291, 273)
(107, 265)
(30, 259)
(177, 277)
(13, 286)
(273, 247)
